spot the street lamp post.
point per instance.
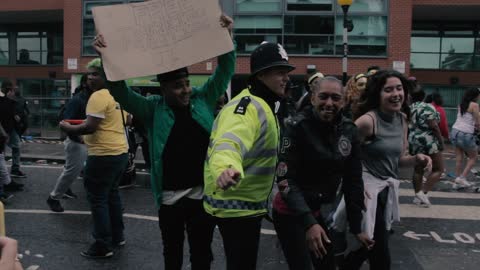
(345, 4)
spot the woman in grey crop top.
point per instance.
(383, 130)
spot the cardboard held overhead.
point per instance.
(159, 36)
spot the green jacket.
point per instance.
(159, 118)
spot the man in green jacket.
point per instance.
(179, 124)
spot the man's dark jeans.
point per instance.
(102, 174)
(186, 214)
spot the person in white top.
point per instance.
(463, 135)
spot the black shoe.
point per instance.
(13, 186)
(96, 251)
(5, 197)
(69, 194)
(54, 205)
(18, 174)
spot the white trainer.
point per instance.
(421, 199)
(462, 182)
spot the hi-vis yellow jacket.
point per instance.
(245, 137)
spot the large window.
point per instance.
(310, 5)
(446, 47)
(266, 6)
(311, 27)
(368, 36)
(88, 23)
(4, 51)
(39, 48)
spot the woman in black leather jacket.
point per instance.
(319, 149)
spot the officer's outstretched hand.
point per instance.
(316, 236)
(228, 178)
(226, 22)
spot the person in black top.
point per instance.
(322, 152)
(7, 122)
(75, 150)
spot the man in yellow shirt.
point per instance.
(107, 158)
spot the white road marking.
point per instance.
(414, 235)
(435, 211)
(439, 194)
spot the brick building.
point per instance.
(44, 45)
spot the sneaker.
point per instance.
(13, 186)
(421, 199)
(18, 174)
(462, 182)
(54, 205)
(5, 197)
(96, 251)
(119, 243)
(70, 195)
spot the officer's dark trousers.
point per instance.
(379, 256)
(240, 241)
(187, 214)
(291, 234)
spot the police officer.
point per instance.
(242, 156)
(322, 149)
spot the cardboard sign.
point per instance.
(158, 36)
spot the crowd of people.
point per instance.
(334, 155)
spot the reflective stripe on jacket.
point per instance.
(245, 140)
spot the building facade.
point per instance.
(45, 45)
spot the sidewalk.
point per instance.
(48, 152)
(53, 151)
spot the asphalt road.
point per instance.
(445, 236)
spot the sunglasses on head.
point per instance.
(361, 75)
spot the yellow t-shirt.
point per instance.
(109, 138)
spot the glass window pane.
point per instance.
(458, 45)
(364, 26)
(425, 60)
(56, 89)
(88, 27)
(87, 47)
(308, 25)
(366, 6)
(258, 24)
(425, 44)
(258, 5)
(89, 6)
(248, 43)
(310, 5)
(30, 87)
(3, 41)
(459, 33)
(4, 58)
(457, 61)
(375, 46)
(314, 45)
(23, 34)
(29, 43)
(477, 46)
(25, 57)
